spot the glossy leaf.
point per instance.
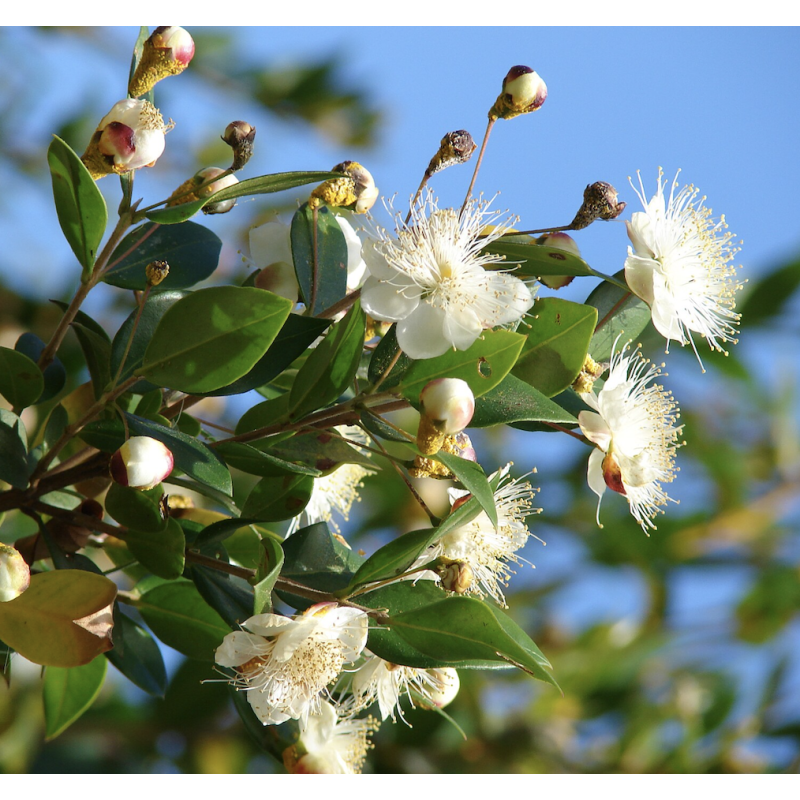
(161, 552)
(97, 352)
(268, 572)
(620, 314)
(133, 508)
(21, 381)
(291, 342)
(219, 531)
(330, 368)
(230, 597)
(472, 477)
(179, 617)
(13, 455)
(557, 343)
(482, 366)
(80, 205)
(393, 559)
(55, 376)
(52, 623)
(331, 256)
(238, 326)
(321, 451)
(137, 656)
(68, 692)
(278, 498)
(254, 461)
(383, 356)
(264, 414)
(191, 251)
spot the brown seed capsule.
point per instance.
(599, 202)
(156, 271)
(456, 147)
(240, 135)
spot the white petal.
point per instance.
(421, 334)
(594, 474)
(462, 327)
(239, 647)
(639, 276)
(595, 429)
(264, 708)
(317, 731)
(388, 303)
(375, 261)
(356, 266)
(267, 624)
(269, 243)
(513, 298)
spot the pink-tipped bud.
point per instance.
(523, 91)
(167, 52)
(223, 206)
(448, 403)
(175, 39)
(446, 686)
(15, 574)
(141, 463)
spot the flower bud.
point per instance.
(239, 135)
(455, 576)
(357, 191)
(599, 202)
(223, 206)
(590, 372)
(523, 91)
(560, 241)
(456, 147)
(15, 574)
(156, 271)
(448, 403)
(167, 52)
(130, 136)
(612, 474)
(141, 463)
(446, 688)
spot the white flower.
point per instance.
(15, 574)
(285, 664)
(431, 280)
(386, 682)
(333, 745)
(335, 492)
(133, 133)
(271, 249)
(488, 551)
(680, 265)
(633, 426)
(141, 463)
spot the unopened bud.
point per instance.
(141, 463)
(15, 574)
(445, 687)
(167, 52)
(456, 147)
(449, 403)
(523, 91)
(599, 202)
(455, 576)
(156, 271)
(239, 135)
(357, 191)
(590, 372)
(206, 174)
(560, 241)
(130, 136)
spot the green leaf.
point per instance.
(68, 692)
(393, 559)
(330, 368)
(383, 356)
(133, 508)
(191, 251)
(191, 456)
(55, 376)
(253, 461)
(21, 381)
(154, 309)
(321, 451)
(179, 617)
(281, 497)
(293, 340)
(267, 413)
(514, 400)
(265, 184)
(482, 366)
(97, 352)
(331, 251)
(557, 343)
(45, 624)
(620, 313)
(472, 477)
(219, 531)
(268, 572)
(162, 552)
(770, 295)
(13, 455)
(238, 326)
(55, 426)
(80, 206)
(137, 656)
(230, 597)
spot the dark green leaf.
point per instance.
(393, 559)
(68, 692)
(331, 256)
(219, 531)
(382, 357)
(179, 617)
(379, 427)
(55, 376)
(482, 366)
(264, 414)
(21, 381)
(619, 313)
(771, 294)
(282, 497)
(253, 461)
(293, 340)
(557, 343)
(56, 423)
(97, 352)
(137, 656)
(472, 477)
(514, 400)
(191, 251)
(80, 206)
(238, 326)
(13, 456)
(269, 570)
(331, 366)
(162, 552)
(230, 597)
(133, 508)
(321, 451)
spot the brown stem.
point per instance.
(140, 309)
(538, 230)
(611, 312)
(489, 127)
(340, 305)
(385, 374)
(76, 518)
(425, 178)
(314, 264)
(568, 431)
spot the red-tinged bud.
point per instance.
(559, 241)
(167, 52)
(599, 202)
(612, 474)
(459, 501)
(240, 135)
(523, 91)
(206, 174)
(15, 574)
(141, 463)
(130, 136)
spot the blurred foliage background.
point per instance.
(676, 653)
